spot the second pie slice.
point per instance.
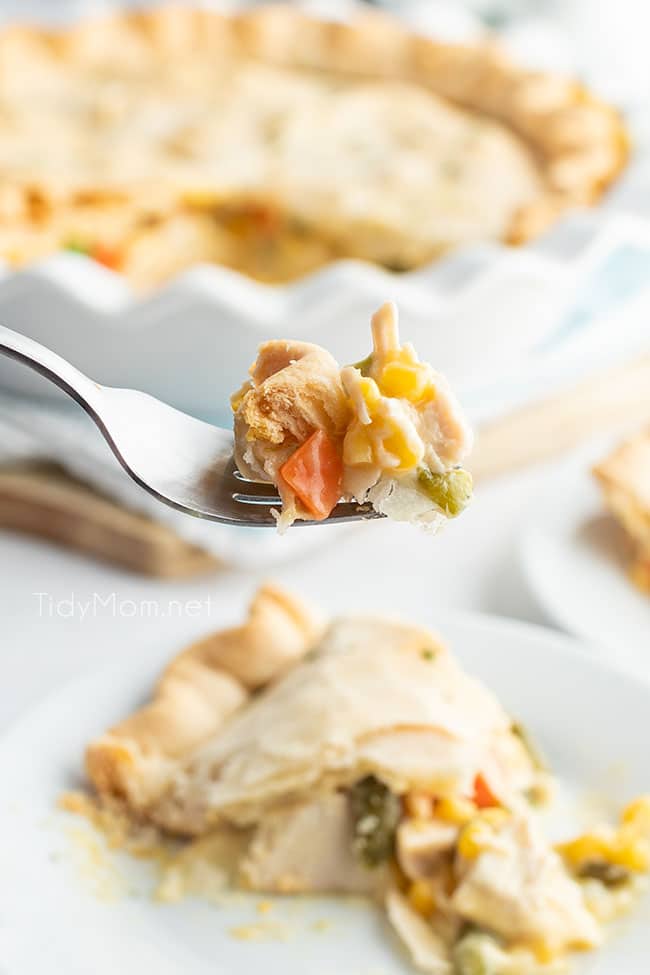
(624, 477)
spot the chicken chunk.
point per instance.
(308, 847)
(518, 887)
(421, 844)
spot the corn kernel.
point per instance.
(638, 814)
(475, 837)
(420, 897)
(406, 381)
(357, 447)
(631, 851)
(418, 805)
(200, 197)
(590, 846)
(471, 841)
(623, 849)
(370, 393)
(543, 952)
(408, 451)
(457, 811)
(494, 816)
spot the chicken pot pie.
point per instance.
(274, 143)
(421, 791)
(386, 431)
(624, 478)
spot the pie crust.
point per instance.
(196, 693)
(274, 143)
(624, 478)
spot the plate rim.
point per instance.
(571, 474)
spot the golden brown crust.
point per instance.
(624, 478)
(196, 693)
(295, 389)
(578, 143)
(582, 142)
(640, 573)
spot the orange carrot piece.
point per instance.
(110, 257)
(314, 473)
(483, 795)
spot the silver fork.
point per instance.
(184, 462)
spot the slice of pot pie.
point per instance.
(366, 761)
(624, 478)
(386, 431)
(274, 143)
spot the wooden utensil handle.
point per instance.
(605, 402)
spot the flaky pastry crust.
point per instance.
(196, 693)
(624, 478)
(134, 173)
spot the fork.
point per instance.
(183, 462)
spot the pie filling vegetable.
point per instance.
(387, 431)
(624, 478)
(358, 757)
(274, 143)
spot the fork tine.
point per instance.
(256, 499)
(258, 511)
(241, 487)
(351, 511)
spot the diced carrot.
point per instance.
(314, 472)
(483, 795)
(110, 257)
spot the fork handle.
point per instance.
(50, 365)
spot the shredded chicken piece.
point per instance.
(519, 888)
(428, 950)
(422, 843)
(308, 848)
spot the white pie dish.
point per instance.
(479, 312)
(76, 929)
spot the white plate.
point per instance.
(593, 723)
(574, 557)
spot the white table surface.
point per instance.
(473, 565)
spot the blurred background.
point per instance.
(548, 346)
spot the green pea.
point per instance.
(376, 812)
(76, 247)
(609, 874)
(364, 366)
(534, 753)
(450, 491)
(476, 954)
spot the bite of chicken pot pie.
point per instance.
(274, 143)
(624, 478)
(386, 431)
(359, 758)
